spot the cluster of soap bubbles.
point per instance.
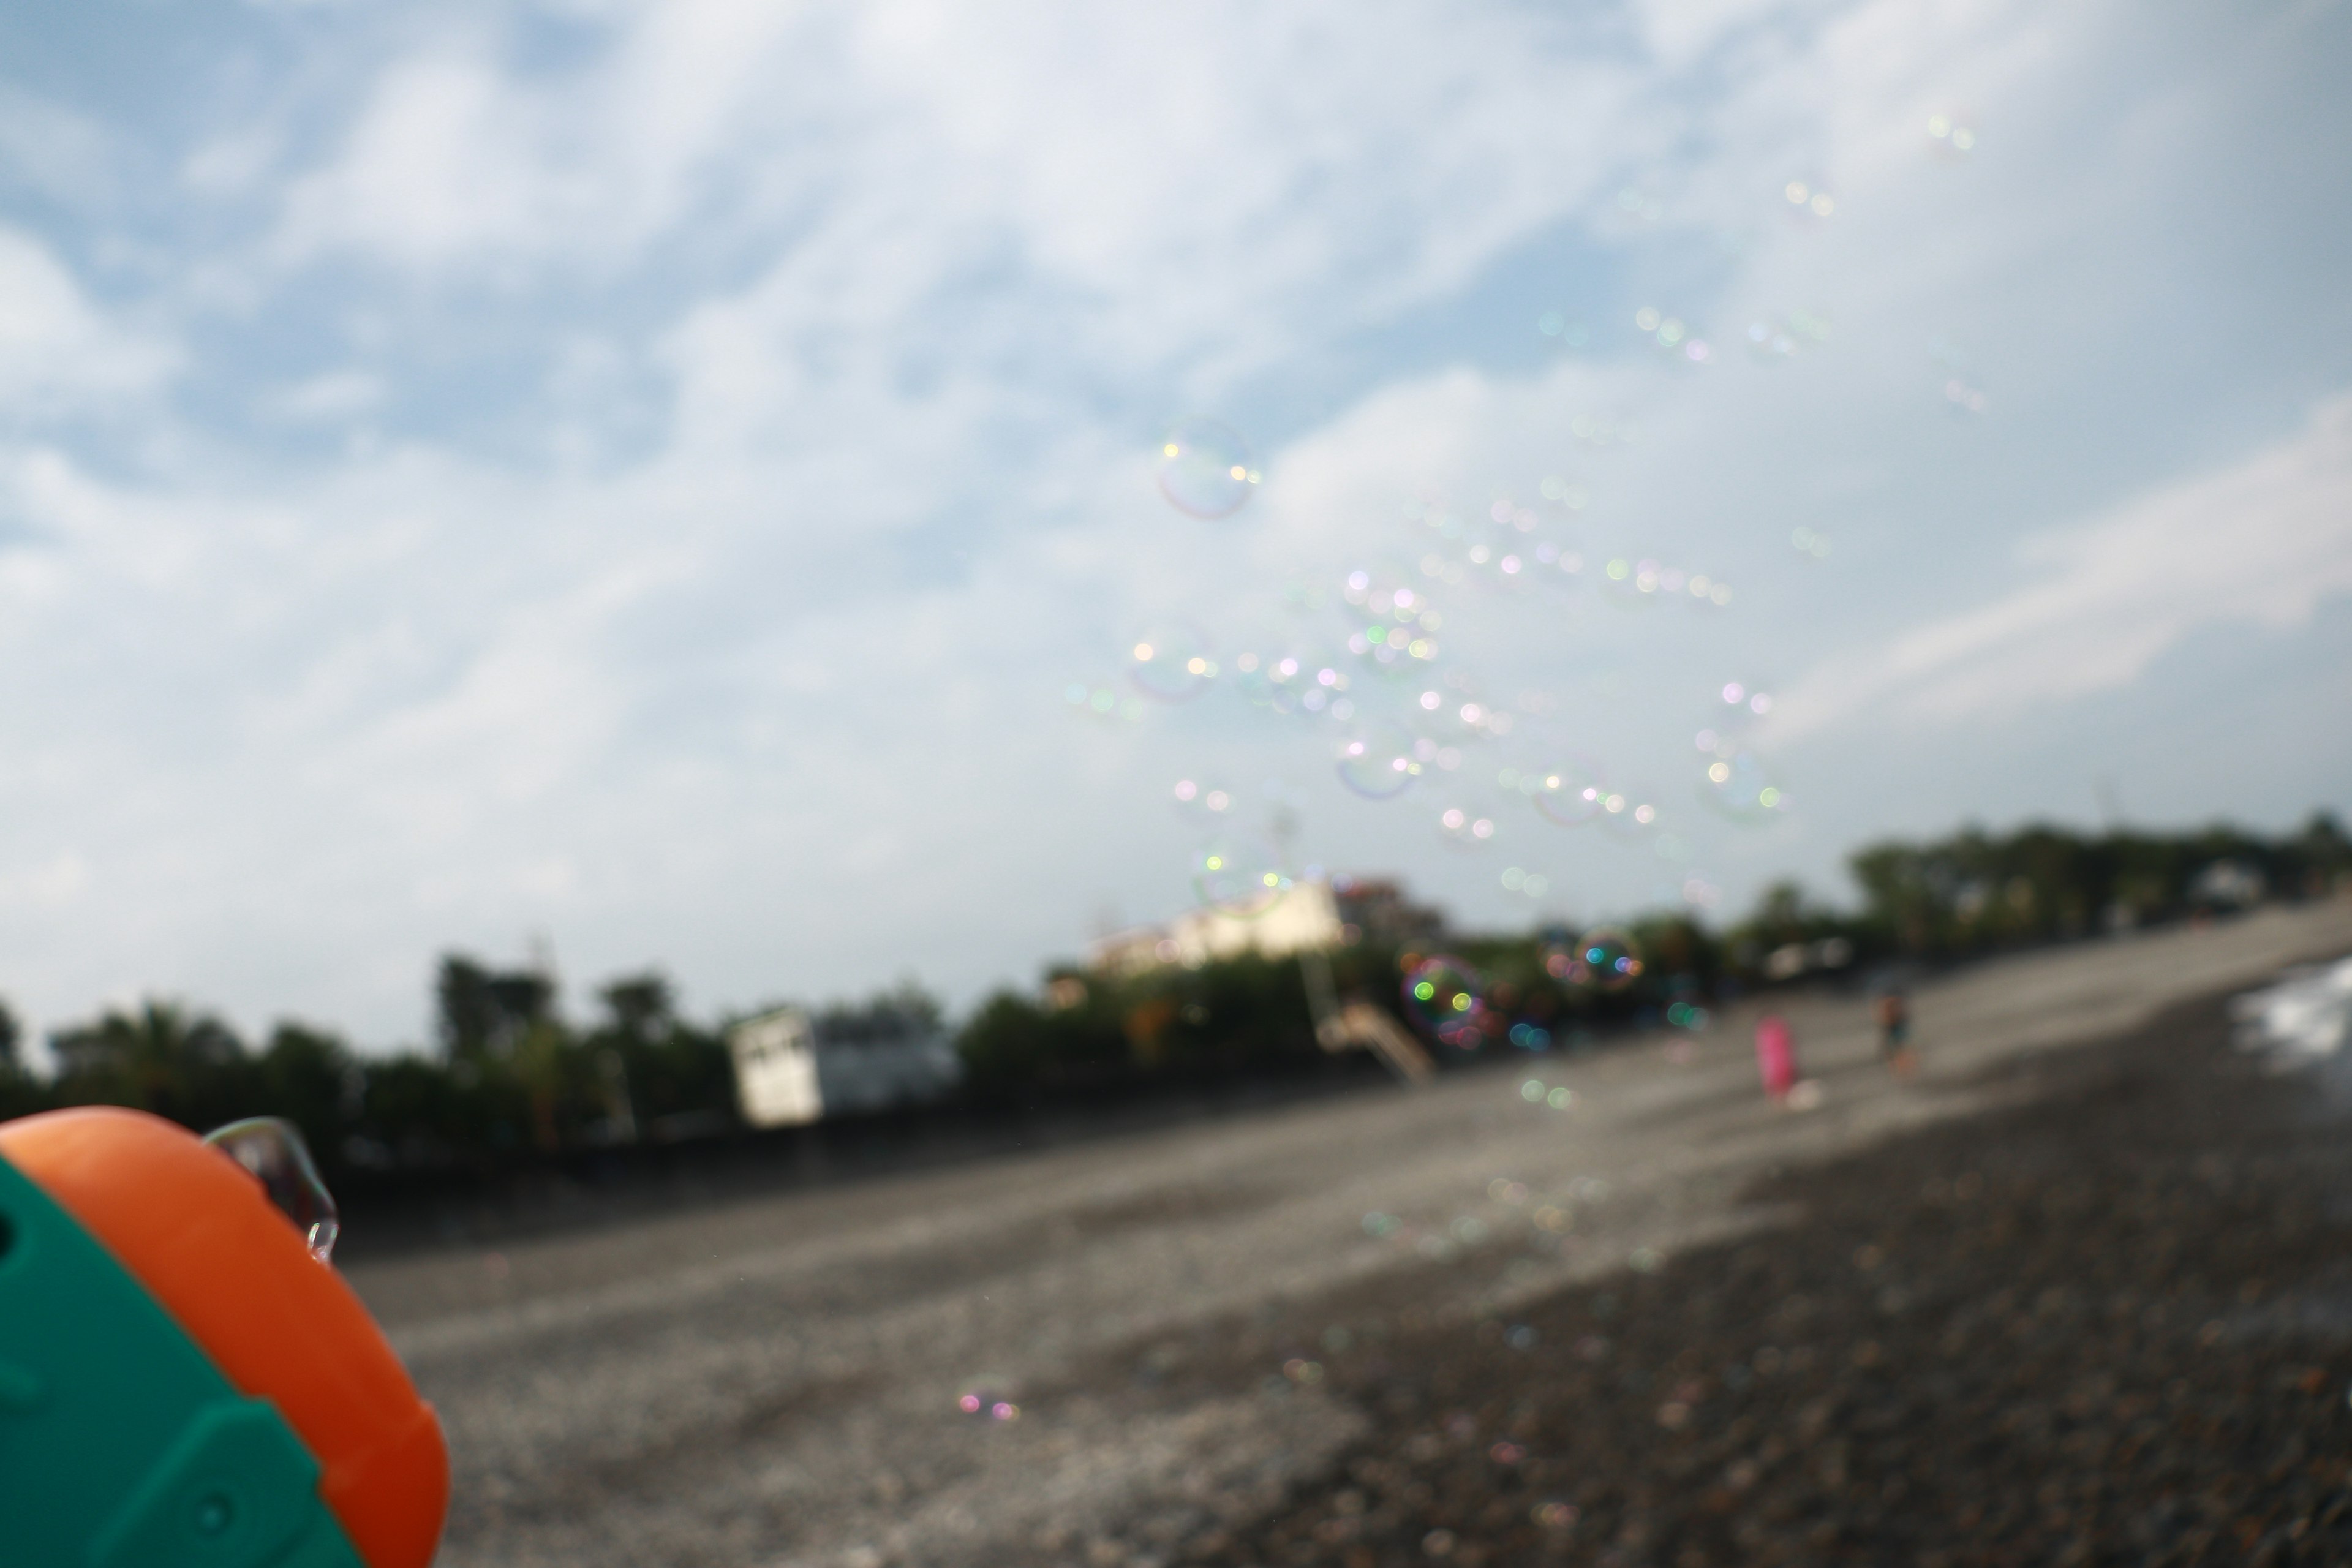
(1362, 662)
(1601, 959)
(1673, 335)
(1807, 542)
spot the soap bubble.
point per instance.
(1774, 339)
(1446, 998)
(1465, 823)
(1171, 662)
(1736, 783)
(1631, 583)
(1239, 875)
(1569, 792)
(1629, 813)
(1602, 959)
(272, 1150)
(1205, 800)
(1378, 761)
(1205, 468)
(1951, 135)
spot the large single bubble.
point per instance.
(1378, 761)
(1239, 875)
(273, 1151)
(1570, 792)
(1629, 813)
(1171, 662)
(1446, 998)
(1205, 800)
(1205, 468)
(1468, 822)
(1735, 783)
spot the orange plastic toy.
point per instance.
(198, 1231)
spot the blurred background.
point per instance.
(628, 611)
(613, 488)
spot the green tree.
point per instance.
(162, 1057)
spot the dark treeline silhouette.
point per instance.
(512, 1082)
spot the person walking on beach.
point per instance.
(1776, 1056)
(1894, 1033)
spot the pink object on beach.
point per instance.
(1776, 1055)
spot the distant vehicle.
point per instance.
(785, 1075)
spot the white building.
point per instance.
(1305, 917)
(785, 1077)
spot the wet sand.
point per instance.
(1213, 1358)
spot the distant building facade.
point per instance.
(1305, 916)
(785, 1075)
(1309, 918)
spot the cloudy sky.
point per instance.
(674, 483)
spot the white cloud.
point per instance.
(58, 349)
(325, 399)
(2265, 542)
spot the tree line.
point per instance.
(512, 1080)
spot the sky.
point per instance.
(679, 485)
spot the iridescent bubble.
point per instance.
(1602, 959)
(1774, 339)
(271, 1149)
(1446, 998)
(1736, 783)
(1961, 392)
(1205, 800)
(1633, 583)
(1378, 761)
(1569, 792)
(1951, 135)
(1205, 468)
(1806, 199)
(1629, 813)
(1466, 823)
(1239, 875)
(1744, 702)
(1171, 662)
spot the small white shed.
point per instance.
(785, 1076)
(775, 1069)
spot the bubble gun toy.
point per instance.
(184, 1381)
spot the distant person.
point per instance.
(1894, 1033)
(1776, 1056)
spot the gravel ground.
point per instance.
(2046, 1299)
(2111, 1325)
